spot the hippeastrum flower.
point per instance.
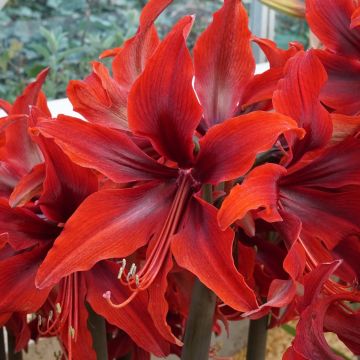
(18, 157)
(321, 310)
(102, 99)
(163, 211)
(313, 198)
(224, 75)
(29, 236)
(334, 23)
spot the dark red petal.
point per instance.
(17, 282)
(23, 228)
(131, 59)
(327, 216)
(99, 98)
(297, 96)
(133, 318)
(222, 72)
(66, 184)
(108, 224)
(340, 91)
(162, 102)
(158, 305)
(29, 186)
(259, 190)
(335, 167)
(202, 248)
(331, 24)
(109, 151)
(30, 95)
(228, 150)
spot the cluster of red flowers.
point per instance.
(188, 166)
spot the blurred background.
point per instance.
(67, 34)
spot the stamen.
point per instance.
(39, 320)
(137, 280)
(51, 314)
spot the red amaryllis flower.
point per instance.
(164, 211)
(29, 233)
(321, 310)
(331, 21)
(313, 199)
(224, 75)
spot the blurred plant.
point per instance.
(289, 7)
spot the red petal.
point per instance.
(162, 102)
(228, 150)
(331, 24)
(340, 92)
(30, 95)
(66, 184)
(327, 216)
(259, 190)
(202, 248)
(158, 306)
(222, 72)
(133, 318)
(277, 57)
(24, 229)
(297, 96)
(131, 59)
(102, 226)
(99, 98)
(17, 282)
(109, 151)
(335, 167)
(6, 106)
(29, 186)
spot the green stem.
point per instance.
(256, 347)
(96, 325)
(199, 324)
(12, 355)
(201, 316)
(2, 345)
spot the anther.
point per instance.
(58, 308)
(137, 280)
(131, 272)
(51, 314)
(72, 332)
(39, 320)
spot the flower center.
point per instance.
(160, 246)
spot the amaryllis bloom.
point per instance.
(321, 310)
(163, 210)
(224, 75)
(312, 199)
(27, 234)
(334, 22)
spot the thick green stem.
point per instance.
(12, 355)
(96, 325)
(199, 325)
(2, 344)
(256, 347)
